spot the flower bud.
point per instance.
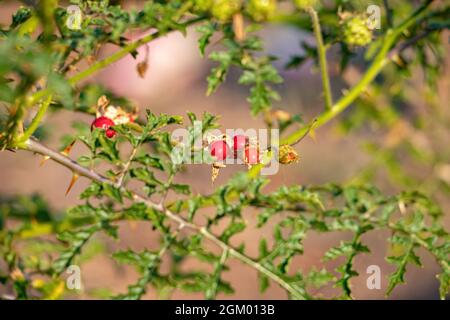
(287, 155)
(304, 4)
(261, 10)
(355, 31)
(224, 10)
(203, 5)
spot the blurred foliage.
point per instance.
(39, 60)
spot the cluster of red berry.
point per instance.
(109, 116)
(220, 149)
(104, 123)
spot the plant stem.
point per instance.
(381, 59)
(321, 51)
(36, 120)
(126, 167)
(36, 147)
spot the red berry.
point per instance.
(105, 124)
(219, 149)
(251, 155)
(239, 142)
(110, 133)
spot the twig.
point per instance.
(34, 146)
(36, 120)
(321, 51)
(381, 59)
(126, 167)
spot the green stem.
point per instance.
(321, 51)
(378, 63)
(36, 120)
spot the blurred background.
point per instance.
(176, 82)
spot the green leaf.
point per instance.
(145, 175)
(181, 188)
(401, 262)
(151, 161)
(214, 284)
(112, 192)
(219, 73)
(193, 205)
(444, 284)
(75, 240)
(93, 190)
(206, 32)
(231, 230)
(345, 249)
(263, 252)
(109, 149)
(319, 278)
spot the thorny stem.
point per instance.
(321, 51)
(126, 167)
(36, 147)
(36, 120)
(381, 59)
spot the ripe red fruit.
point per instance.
(219, 149)
(110, 133)
(251, 155)
(105, 124)
(239, 142)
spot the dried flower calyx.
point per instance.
(288, 155)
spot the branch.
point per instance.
(34, 146)
(381, 59)
(36, 120)
(126, 167)
(321, 51)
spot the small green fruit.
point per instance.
(203, 5)
(304, 4)
(224, 10)
(355, 31)
(261, 10)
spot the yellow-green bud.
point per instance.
(304, 4)
(261, 10)
(224, 10)
(203, 5)
(355, 31)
